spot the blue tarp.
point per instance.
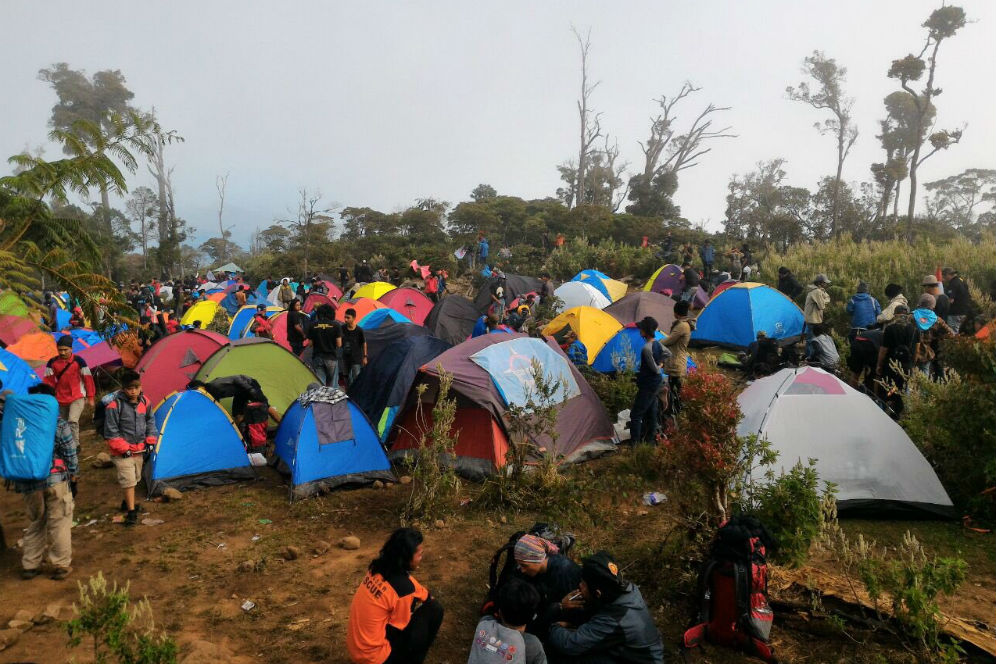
(15, 374)
(509, 364)
(735, 316)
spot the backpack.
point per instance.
(100, 412)
(496, 578)
(27, 437)
(904, 354)
(733, 589)
(256, 419)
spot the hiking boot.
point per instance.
(131, 518)
(61, 573)
(124, 506)
(28, 574)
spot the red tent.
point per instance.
(412, 303)
(334, 291)
(315, 300)
(13, 328)
(722, 287)
(173, 361)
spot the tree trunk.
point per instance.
(835, 205)
(895, 201)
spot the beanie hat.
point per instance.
(926, 301)
(600, 572)
(65, 341)
(862, 287)
(532, 549)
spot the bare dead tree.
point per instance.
(590, 125)
(614, 175)
(221, 183)
(309, 210)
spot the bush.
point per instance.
(616, 392)
(614, 259)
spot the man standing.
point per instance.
(817, 300)
(354, 348)
(73, 383)
(961, 301)
(546, 289)
(325, 344)
(296, 320)
(49, 506)
(643, 414)
(942, 305)
(286, 293)
(895, 357)
(676, 365)
(483, 249)
(130, 432)
(708, 255)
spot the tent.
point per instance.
(489, 373)
(13, 328)
(722, 287)
(388, 332)
(34, 348)
(516, 285)
(671, 277)
(100, 354)
(315, 300)
(198, 445)
(200, 311)
(231, 305)
(581, 294)
(373, 290)
(379, 317)
(383, 385)
(622, 351)
(593, 327)
(452, 319)
(413, 303)
(15, 374)
(807, 413)
(229, 267)
(282, 376)
(734, 317)
(242, 321)
(334, 291)
(83, 338)
(606, 285)
(173, 361)
(362, 306)
(637, 306)
(328, 443)
(12, 305)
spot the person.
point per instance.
(518, 317)
(240, 296)
(396, 276)
(354, 348)
(498, 302)
(821, 350)
(676, 366)
(692, 281)
(296, 320)
(552, 574)
(286, 293)
(863, 357)
(666, 247)
(382, 275)
(502, 638)
(708, 255)
(52, 309)
(483, 248)
(643, 413)
(363, 272)
(325, 344)
(763, 356)
(260, 325)
(130, 432)
(440, 284)
(619, 627)
(576, 351)
(480, 326)
(961, 300)
(863, 309)
(546, 288)
(736, 263)
(49, 505)
(432, 287)
(817, 300)
(895, 357)
(244, 391)
(393, 619)
(73, 383)
(788, 284)
(77, 320)
(559, 242)
(896, 299)
(932, 286)
(931, 328)
(344, 277)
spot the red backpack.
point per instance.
(255, 420)
(733, 587)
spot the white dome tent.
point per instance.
(580, 294)
(807, 413)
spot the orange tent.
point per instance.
(362, 305)
(36, 348)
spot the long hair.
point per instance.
(397, 553)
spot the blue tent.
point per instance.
(594, 279)
(240, 322)
(383, 385)
(198, 445)
(262, 291)
(377, 317)
(734, 317)
(622, 351)
(15, 374)
(62, 318)
(327, 445)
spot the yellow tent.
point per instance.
(593, 326)
(200, 311)
(373, 290)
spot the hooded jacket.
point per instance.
(817, 300)
(677, 342)
(889, 312)
(863, 309)
(129, 427)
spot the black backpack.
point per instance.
(496, 577)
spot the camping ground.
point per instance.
(217, 548)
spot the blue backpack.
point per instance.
(27, 437)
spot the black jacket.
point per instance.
(789, 285)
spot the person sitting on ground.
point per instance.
(553, 574)
(863, 309)
(763, 356)
(896, 299)
(575, 350)
(260, 325)
(821, 351)
(502, 637)
(130, 432)
(393, 618)
(49, 505)
(619, 627)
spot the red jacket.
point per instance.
(71, 379)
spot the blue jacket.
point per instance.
(863, 309)
(482, 249)
(707, 254)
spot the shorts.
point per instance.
(129, 470)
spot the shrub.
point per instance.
(614, 259)
(616, 391)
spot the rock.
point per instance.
(350, 542)
(172, 494)
(103, 460)
(197, 652)
(8, 637)
(503, 519)
(439, 523)
(405, 479)
(321, 548)
(59, 612)
(291, 553)
(245, 566)
(23, 614)
(378, 484)
(20, 625)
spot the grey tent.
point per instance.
(452, 319)
(515, 286)
(229, 267)
(807, 413)
(490, 373)
(635, 307)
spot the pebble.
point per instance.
(405, 479)
(172, 494)
(291, 553)
(20, 625)
(439, 523)
(321, 548)
(350, 543)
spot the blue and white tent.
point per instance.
(15, 374)
(734, 317)
(325, 441)
(198, 445)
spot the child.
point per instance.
(130, 431)
(503, 638)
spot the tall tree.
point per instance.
(143, 208)
(483, 192)
(221, 183)
(590, 126)
(668, 151)
(311, 222)
(172, 231)
(901, 130)
(828, 94)
(942, 24)
(761, 208)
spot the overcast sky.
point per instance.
(380, 103)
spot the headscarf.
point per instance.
(531, 549)
(925, 318)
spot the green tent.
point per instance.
(282, 376)
(12, 305)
